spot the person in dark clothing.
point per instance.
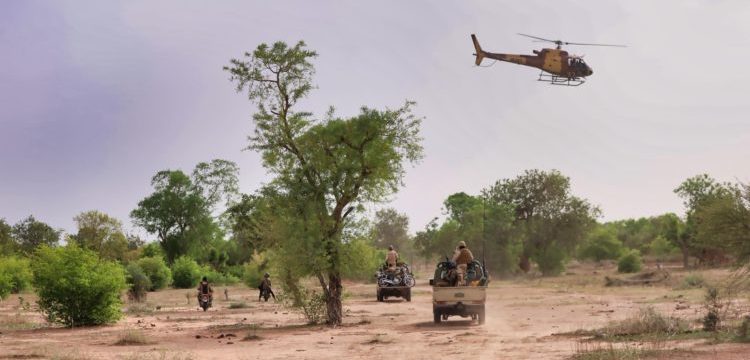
(265, 284)
(205, 288)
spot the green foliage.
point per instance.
(179, 209)
(601, 245)
(153, 250)
(359, 260)
(5, 285)
(661, 248)
(75, 287)
(138, 281)
(218, 278)
(391, 228)
(712, 303)
(310, 303)
(324, 169)
(549, 221)
(18, 271)
(629, 262)
(30, 234)
(185, 273)
(7, 242)
(723, 222)
(254, 270)
(100, 233)
(157, 271)
(692, 281)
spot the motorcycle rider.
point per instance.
(265, 284)
(205, 288)
(391, 258)
(462, 257)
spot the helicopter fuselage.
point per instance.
(553, 61)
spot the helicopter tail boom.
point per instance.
(479, 53)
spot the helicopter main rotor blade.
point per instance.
(538, 38)
(588, 44)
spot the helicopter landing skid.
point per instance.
(560, 80)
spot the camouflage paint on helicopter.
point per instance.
(560, 67)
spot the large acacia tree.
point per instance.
(323, 168)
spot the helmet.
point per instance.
(266, 275)
(205, 278)
(461, 243)
(390, 247)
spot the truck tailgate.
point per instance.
(463, 294)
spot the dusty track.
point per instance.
(523, 317)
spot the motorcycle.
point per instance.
(205, 301)
(396, 281)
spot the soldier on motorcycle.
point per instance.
(205, 288)
(265, 285)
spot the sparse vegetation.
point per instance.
(238, 305)
(185, 273)
(692, 281)
(132, 337)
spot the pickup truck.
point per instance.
(464, 301)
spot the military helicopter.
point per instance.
(558, 67)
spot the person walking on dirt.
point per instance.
(205, 288)
(391, 258)
(462, 257)
(265, 286)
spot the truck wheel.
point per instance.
(480, 317)
(407, 296)
(436, 316)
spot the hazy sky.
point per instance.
(97, 96)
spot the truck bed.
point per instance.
(456, 294)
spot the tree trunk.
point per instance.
(333, 300)
(685, 257)
(524, 263)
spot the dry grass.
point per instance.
(379, 339)
(132, 337)
(140, 309)
(239, 305)
(18, 322)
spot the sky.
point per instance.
(97, 96)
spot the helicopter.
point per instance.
(558, 67)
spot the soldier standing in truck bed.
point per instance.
(462, 257)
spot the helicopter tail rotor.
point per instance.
(479, 53)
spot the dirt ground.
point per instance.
(525, 318)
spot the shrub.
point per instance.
(647, 321)
(185, 273)
(217, 278)
(157, 271)
(310, 303)
(629, 262)
(662, 249)
(5, 285)
(75, 287)
(254, 270)
(551, 261)
(602, 245)
(692, 281)
(18, 271)
(359, 260)
(139, 282)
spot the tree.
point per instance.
(548, 220)
(179, 210)
(391, 228)
(100, 233)
(724, 222)
(324, 168)
(695, 193)
(30, 234)
(7, 243)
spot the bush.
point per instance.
(629, 262)
(692, 281)
(185, 273)
(359, 260)
(254, 270)
(157, 271)
(18, 271)
(217, 278)
(5, 285)
(551, 261)
(662, 249)
(310, 303)
(139, 282)
(602, 245)
(75, 287)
